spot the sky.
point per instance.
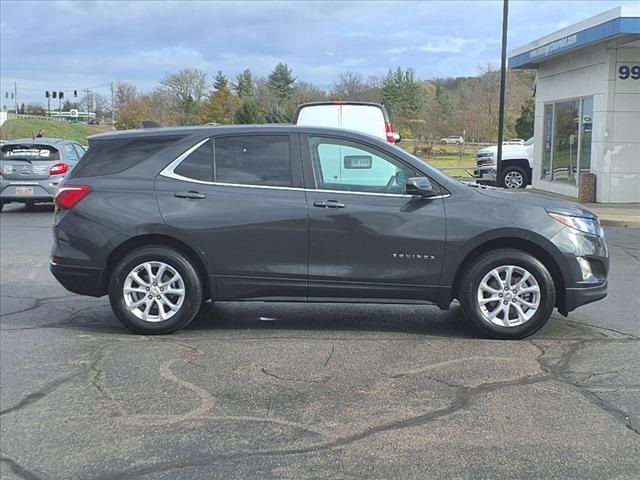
(74, 45)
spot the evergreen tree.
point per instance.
(401, 93)
(244, 84)
(276, 114)
(281, 81)
(524, 123)
(221, 82)
(249, 113)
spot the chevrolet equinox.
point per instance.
(164, 219)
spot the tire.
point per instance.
(1, 206)
(514, 177)
(444, 142)
(478, 277)
(147, 318)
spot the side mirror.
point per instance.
(397, 137)
(420, 186)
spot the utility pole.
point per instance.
(88, 105)
(60, 106)
(503, 76)
(15, 96)
(113, 115)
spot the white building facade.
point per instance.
(587, 115)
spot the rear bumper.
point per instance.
(80, 280)
(576, 297)
(28, 191)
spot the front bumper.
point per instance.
(485, 174)
(80, 280)
(576, 297)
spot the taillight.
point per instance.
(59, 169)
(68, 196)
(388, 130)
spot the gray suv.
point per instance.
(165, 219)
(32, 169)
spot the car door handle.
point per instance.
(329, 204)
(191, 195)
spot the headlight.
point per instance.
(586, 225)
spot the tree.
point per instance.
(123, 94)
(401, 93)
(186, 88)
(244, 84)
(249, 113)
(68, 105)
(349, 86)
(221, 82)
(221, 107)
(276, 114)
(281, 82)
(524, 123)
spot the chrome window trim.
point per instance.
(169, 172)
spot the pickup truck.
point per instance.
(517, 165)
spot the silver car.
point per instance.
(31, 169)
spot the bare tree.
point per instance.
(124, 93)
(349, 86)
(187, 88)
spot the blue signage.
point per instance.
(597, 33)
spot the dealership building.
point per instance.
(587, 115)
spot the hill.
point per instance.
(27, 127)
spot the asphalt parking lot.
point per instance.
(310, 391)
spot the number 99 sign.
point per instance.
(626, 72)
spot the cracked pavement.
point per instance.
(317, 391)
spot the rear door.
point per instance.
(364, 118)
(320, 116)
(238, 199)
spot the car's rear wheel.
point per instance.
(155, 290)
(507, 294)
(514, 177)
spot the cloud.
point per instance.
(446, 45)
(77, 44)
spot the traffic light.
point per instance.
(53, 94)
(61, 95)
(46, 94)
(75, 93)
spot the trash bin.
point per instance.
(587, 188)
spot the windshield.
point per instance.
(31, 152)
(529, 142)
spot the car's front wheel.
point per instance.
(507, 294)
(155, 290)
(514, 177)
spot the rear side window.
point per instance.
(106, 157)
(199, 164)
(253, 160)
(70, 152)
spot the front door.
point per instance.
(234, 198)
(368, 239)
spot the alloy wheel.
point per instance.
(508, 296)
(154, 291)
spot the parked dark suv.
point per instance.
(162, 220)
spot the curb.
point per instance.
(607, 222)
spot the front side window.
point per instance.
(199, 164)
(343, 165)
(253, 160)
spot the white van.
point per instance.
(365, 117)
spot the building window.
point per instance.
(567, 140)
